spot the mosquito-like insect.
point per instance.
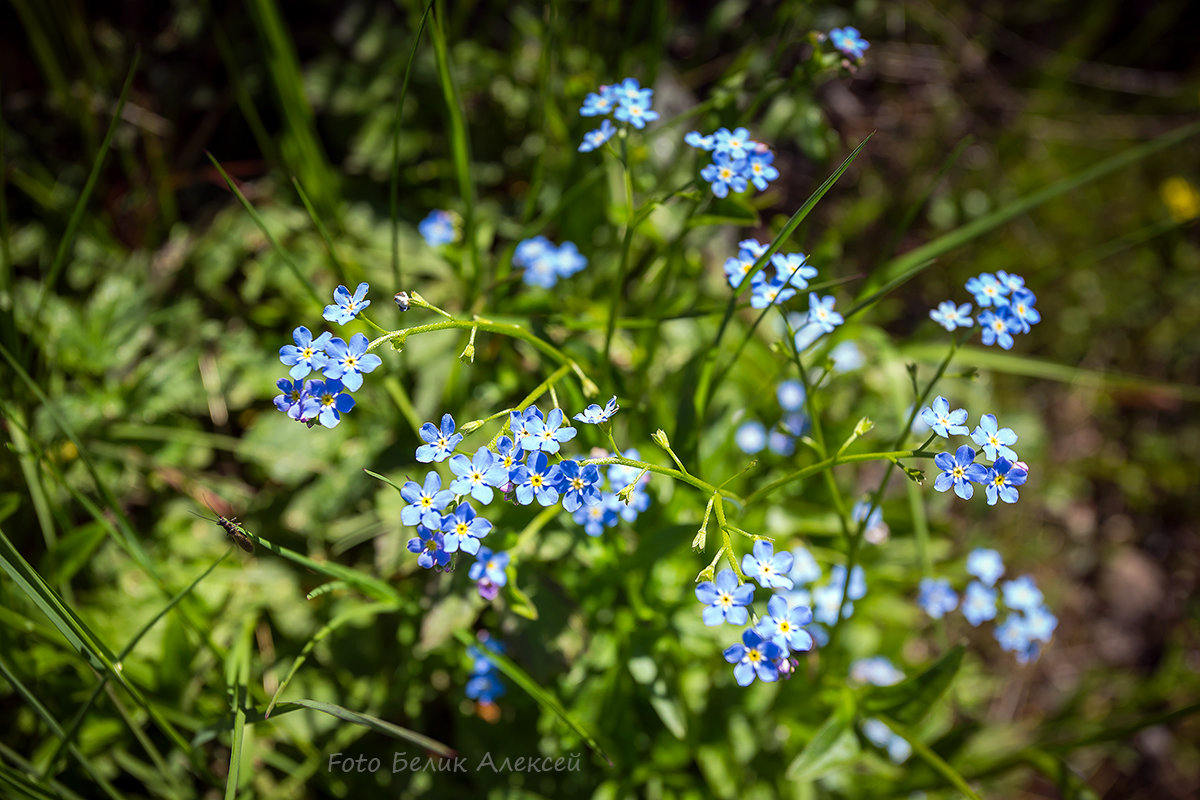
(231, 526)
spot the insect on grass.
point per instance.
(231, 526)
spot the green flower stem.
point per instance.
(814, 416)
(708, 488)
(727, 543)
(529, 400)
(626, 245)
(590, 388)
(419, 301)
(921, 530)
(611, 440)
(527, 538)
(370, 322)
(931, 758)
(813, 469)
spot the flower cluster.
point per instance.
(1027, 626)
(751, 436)
(518, 467)
(1006, 308)
(738, 161)
(959, 469)
(341, 363)
(766, 646)
(849, 42)
(627, 101)
(622, 496)
(484, 684)
(439, 227)
(544, 262)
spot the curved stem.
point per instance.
(503, 328)
(813, 469)
(670, 473)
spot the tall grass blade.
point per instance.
(394, 177)
(914, 261)
(300, 144)
(368, 721)
(542, 697)
(262, 226)
(460, 149)
(78, 635)
(67, 242)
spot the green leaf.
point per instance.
(531, 687)
(908, 701)
(368, 721)
(833, 746)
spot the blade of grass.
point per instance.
(16, 784)
(368, 721)
(31, 700)
(28, 463)
(319, 636)
(8, 328)
(371, 586)
(914, 261)
(264, 140)
(300, 143)
(262, 226)
(237, 677)
(931, 758)
(394, 177)
(25, 768)
(339, 268)
(1030, 367)
(460, 149)
(77, 720)
(73, 629)
(707, 386)
(67, 242)
(531, 687)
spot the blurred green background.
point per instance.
(150, 324)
